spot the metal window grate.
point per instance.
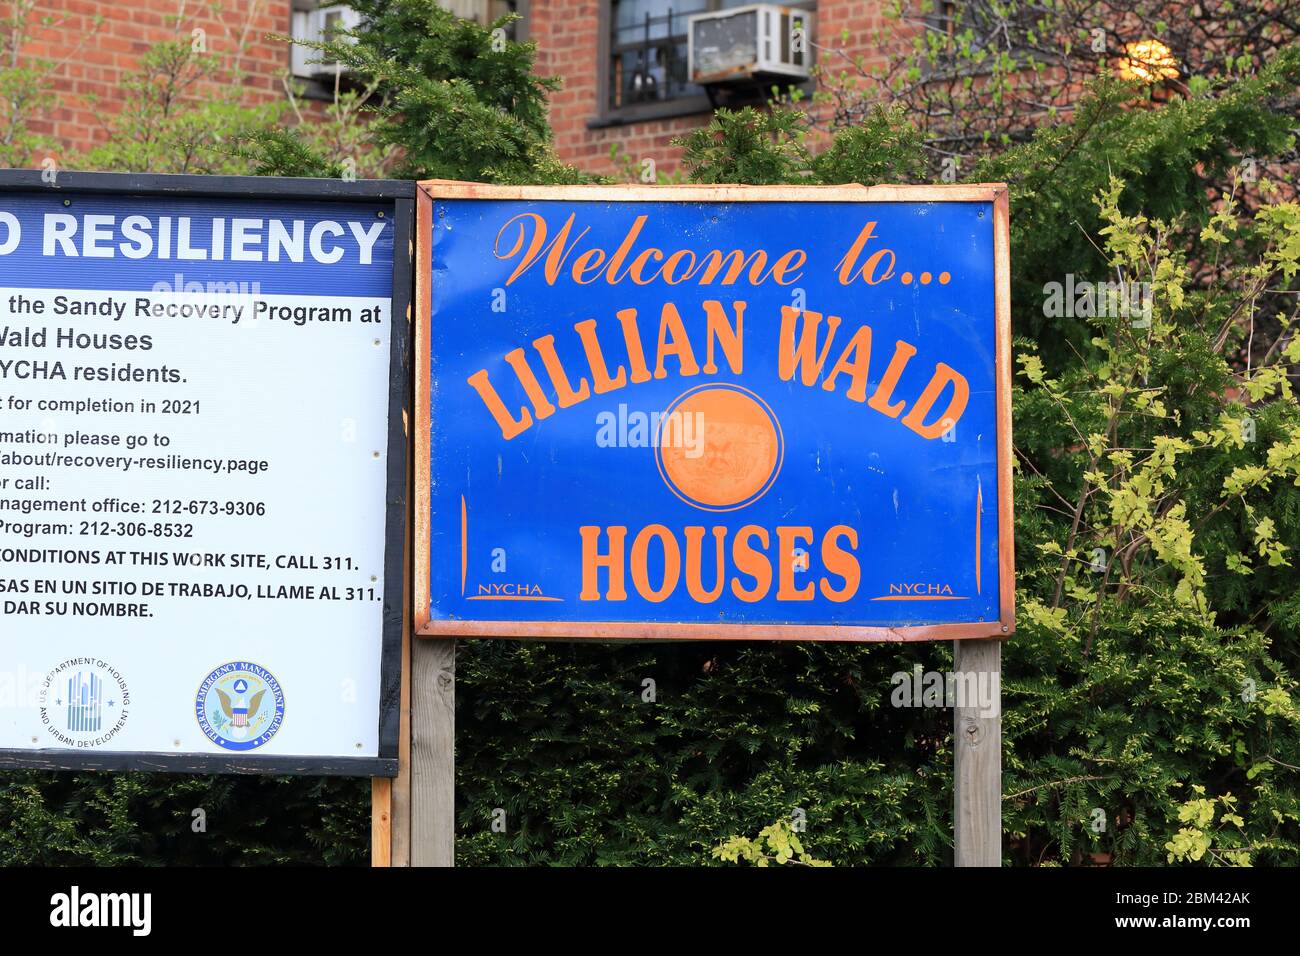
(648, 53)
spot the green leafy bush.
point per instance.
(182, 113)
(454, 98)
(163, 819)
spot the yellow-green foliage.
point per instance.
(777, 843)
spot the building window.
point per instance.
(971, 28)
(314, 22)
(647, 72)
(488, 11)
(648, 50)
(943, 18)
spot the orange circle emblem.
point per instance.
(719, 447)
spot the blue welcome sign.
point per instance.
(713, 412)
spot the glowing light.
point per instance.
(1149, 61)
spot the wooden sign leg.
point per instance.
(390, 799)
(977, 752)
(381, 821)
(433, 760)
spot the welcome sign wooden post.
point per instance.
(711, 413)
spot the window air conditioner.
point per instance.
(759, 42)
(316, 26)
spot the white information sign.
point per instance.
(195, 479)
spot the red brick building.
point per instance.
(623, 62)
(598, 47)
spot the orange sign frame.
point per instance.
(425, 626)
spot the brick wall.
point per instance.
(98, 45)
(567, 34)
(96, 60)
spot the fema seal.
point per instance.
(240, 706)
(84, 702)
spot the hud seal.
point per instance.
(240, 706)
(84, 702)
